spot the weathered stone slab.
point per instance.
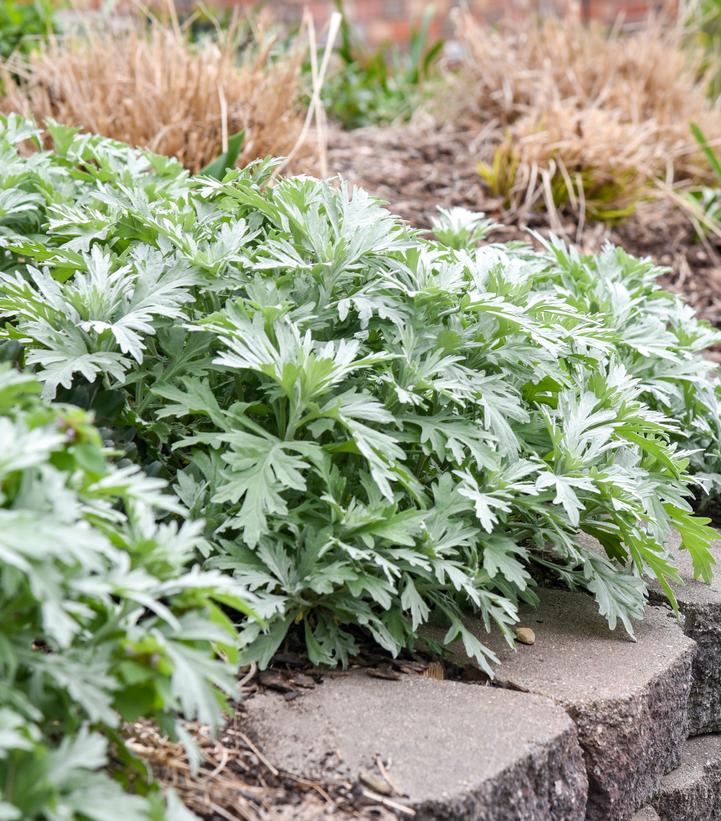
(456, 751)
(693, 791)
(646, 814)
(627, 699)
(700, 604)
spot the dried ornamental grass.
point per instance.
(586, 160)
(582, 117)
(154, 89)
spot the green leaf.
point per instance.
(263, 648)
(501, 555)
(216, 168)
(696, 536)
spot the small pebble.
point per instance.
(375, 783)
(525, 635)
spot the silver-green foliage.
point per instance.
(378, 429)
(102, 622)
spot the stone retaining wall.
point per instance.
(580, 723)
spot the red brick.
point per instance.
(391, 19)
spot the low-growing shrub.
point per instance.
(377, 428)
(155, 89)
(102, 621)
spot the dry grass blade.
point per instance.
(315, 108)
(150, 87)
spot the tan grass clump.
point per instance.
(579, 116)
(154, 89)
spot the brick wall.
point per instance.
(380, 20)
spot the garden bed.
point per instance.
(369, 432)
(340, 465)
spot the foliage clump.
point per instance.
(24, 26)
(702, 33)
(378, 429)
(381, 86)
(103, 621)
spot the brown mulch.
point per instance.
(417, 167)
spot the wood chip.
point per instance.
(301, 680)
(275, 681)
